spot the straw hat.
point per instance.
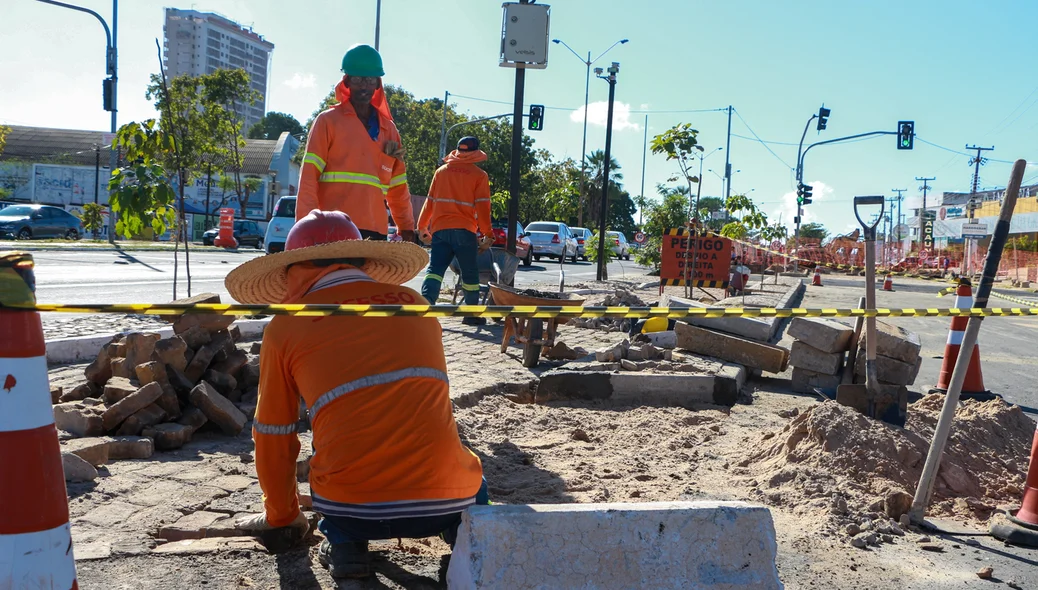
(323, 235)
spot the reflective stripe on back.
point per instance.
(354, 178)
(372, 380)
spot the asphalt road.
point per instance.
(1008, 355)
(147, 277)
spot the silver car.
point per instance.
(618, 242)
(551, 239)
(582, 234)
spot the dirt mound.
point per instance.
(841, 466)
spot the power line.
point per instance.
(556, 108)
(738, 114)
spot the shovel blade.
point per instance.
(853, 396)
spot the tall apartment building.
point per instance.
(202, 42)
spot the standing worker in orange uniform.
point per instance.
(458, 206)
(388, 461)
(354, 158)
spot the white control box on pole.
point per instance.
(524, 35)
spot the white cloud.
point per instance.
(788, 208)
(300, 80)
(597, 112)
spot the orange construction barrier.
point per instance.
(35, 539)
(817, 280)
(225, 238)
(888, 283)
(973, 386)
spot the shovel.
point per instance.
(866, 398)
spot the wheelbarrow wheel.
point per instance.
(531, 351)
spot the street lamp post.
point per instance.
(587, 87)
(111, 84)
(604, 214)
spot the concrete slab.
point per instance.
(720, 387)
(822, 333)
(759, 355)
(890, 370)
(611, 546)
(895, 342)
(804, 381)
(751, 328)
(808, 357)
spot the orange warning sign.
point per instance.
(713, 259)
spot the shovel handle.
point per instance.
(870, 228)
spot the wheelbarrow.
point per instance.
(530, 332)
(495, 266)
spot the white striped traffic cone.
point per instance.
(973, 385)
(35, 539)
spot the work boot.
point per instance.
(345, 560)
(474, 321)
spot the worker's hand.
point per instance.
(395, 150)
(425, 236)
(407, 235)
(485, 242)
(257, 523)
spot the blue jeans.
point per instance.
(345, 529)
(448, 244)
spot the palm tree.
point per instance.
(595, 162)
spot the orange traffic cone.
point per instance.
(973, 386)
(817, 280)
(888, 284)
(35, 539)
(1028, 513)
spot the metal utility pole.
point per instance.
(727, 162)
(583, 145)
(645, 148)
(977, 161)
(443, 130)
(110, 84)
(604, 214)
(378, 21)
(900, 198)
(922, 212)
(517, 146)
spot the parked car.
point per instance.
(26, 222)
(582, 234)
(245, 231)
(523, 251)
(283, 219)
(621, 249)
(551, 239)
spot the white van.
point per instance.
(282, 221)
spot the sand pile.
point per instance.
(834, 463)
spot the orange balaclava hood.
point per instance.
(378, 99)
(465, 157)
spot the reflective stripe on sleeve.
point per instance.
(274, 428)
(312, 158)
(398, 180)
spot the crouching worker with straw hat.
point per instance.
(388, 461)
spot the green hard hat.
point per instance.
(362, 60)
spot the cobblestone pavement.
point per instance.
(71, 325)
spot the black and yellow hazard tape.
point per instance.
(500, 311)
(1004, 296)
(700, 284)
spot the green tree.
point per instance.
(591, 248)
(142, 194)
(4, 130)
(92, 218)
(671, 212)
(273, 124)
(814, 230)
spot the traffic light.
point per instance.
(804, 193)
(536, 117)
(106, 94)
(905, 134)
(823, 117)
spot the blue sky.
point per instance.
(963, 71)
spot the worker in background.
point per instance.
(388, 462)
(457, 208)
(354, 158)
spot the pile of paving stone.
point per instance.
(621, 297)
(821, 354)
(165, 389)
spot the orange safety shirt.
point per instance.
(459, 196)
(345, 170)
(385, 441)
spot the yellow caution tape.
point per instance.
(500, 311)
(1013, 299)
(946, 291)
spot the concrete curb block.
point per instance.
(613, 546)
(64, 351)
(664, 389)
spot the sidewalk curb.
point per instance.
(63, 351)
